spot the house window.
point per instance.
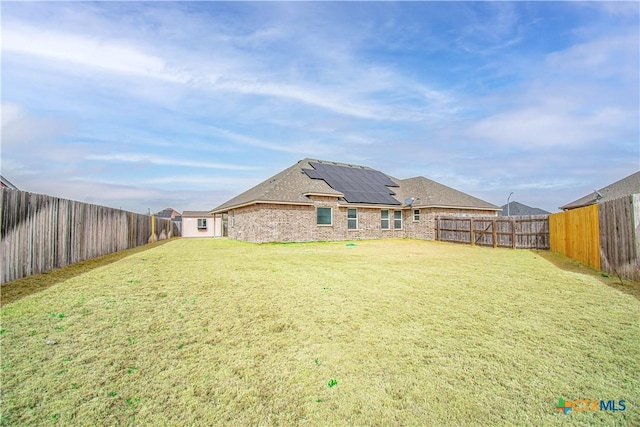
(416, 215)
(202, 223)
(384, 219)
(324, 216)
(352, 219)
(397, 220)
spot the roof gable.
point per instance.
(288, 186)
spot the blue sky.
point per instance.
(186, 104)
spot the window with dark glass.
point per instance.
(397, 220)
(324, 216)
(352, 219)
(384, 219)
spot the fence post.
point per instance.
(472, 236)
(635, 207)
(513, 234)
(494, 223)
(436, 230)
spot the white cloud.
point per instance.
(541, 127)
(20, 128)
(600, 57)
(165, 161)
(373, 94)
(93, 52)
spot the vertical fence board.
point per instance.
(517, 232)
(41, 232)
(575, 233)
(619, 253)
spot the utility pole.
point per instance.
(508, 207)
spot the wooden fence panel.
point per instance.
(575, 233)
(618, 238)
(40, 232)
(518, 232)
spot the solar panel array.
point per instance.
(358, 185)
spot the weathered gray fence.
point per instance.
(518, 232)
(40, 233)
(620, 236)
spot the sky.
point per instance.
(149, 105)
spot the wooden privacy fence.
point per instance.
(40, 233)
(620, 237)
(518, 232)
(575, 233)
(604, 236)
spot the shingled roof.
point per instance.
(293, 186)
(430, 194)
(624, 187)
(516, 209)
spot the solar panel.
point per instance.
(358, 185)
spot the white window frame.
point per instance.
(330, 216)
(352, 219)
(202, 223)
(397, 219)
(383, 219)
(416, 216)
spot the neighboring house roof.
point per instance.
(168, 213)
(516, 209)
(624, 187)
(4, 182)
(197, 214)
(294, 184)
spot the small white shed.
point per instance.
(201, 224)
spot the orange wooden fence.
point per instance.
(576, 234)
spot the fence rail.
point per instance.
(518, 232)
(40, 232)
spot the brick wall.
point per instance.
(293, 223)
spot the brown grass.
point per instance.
(218, 332)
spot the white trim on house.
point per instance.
(337, 196)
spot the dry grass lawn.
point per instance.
(219, 332)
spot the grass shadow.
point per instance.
(20, 288)
(628, 287)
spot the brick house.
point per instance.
(320, 200)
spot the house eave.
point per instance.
(258, 202)
(336, 195)
(475, 208)
(368, 206)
